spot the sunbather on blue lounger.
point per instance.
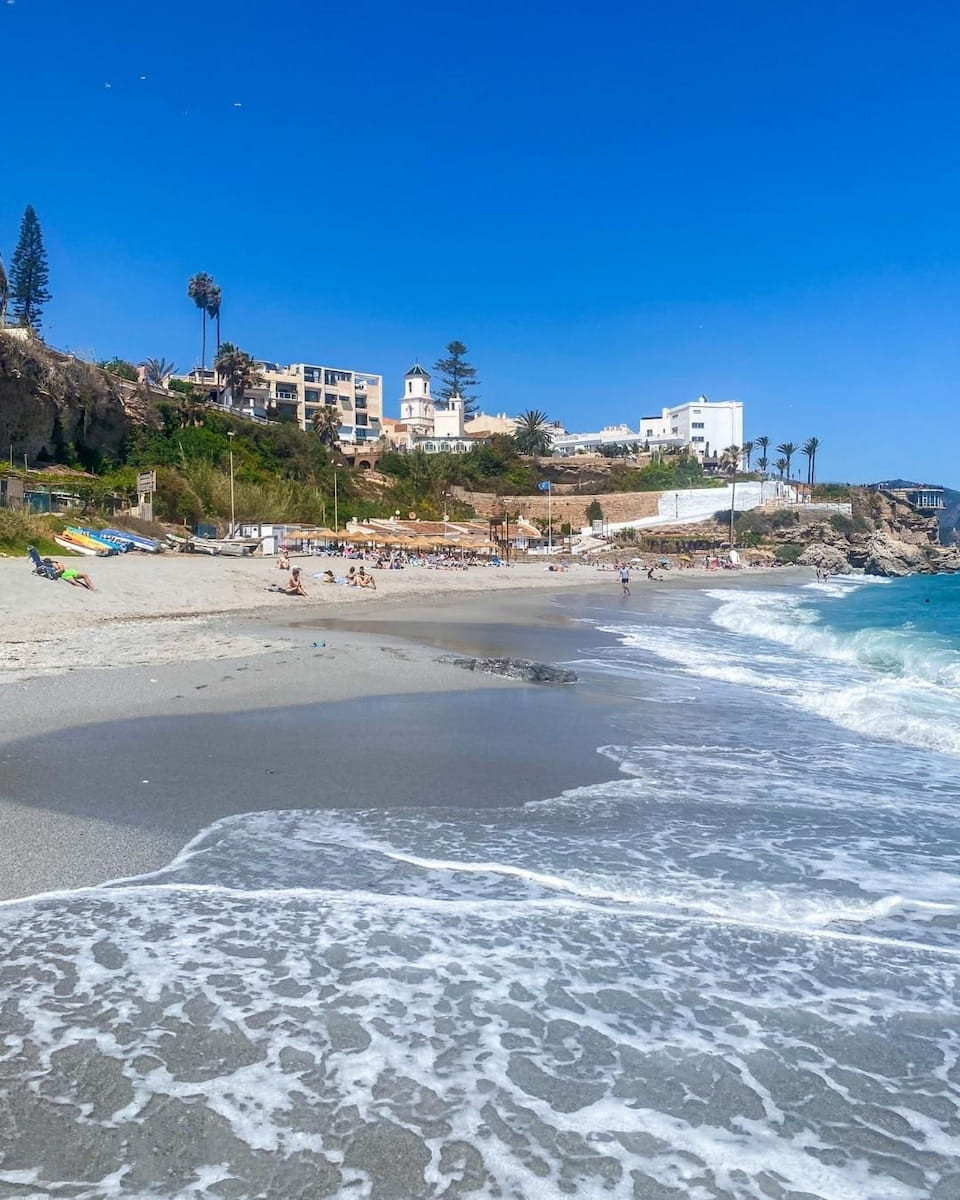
(40, 567)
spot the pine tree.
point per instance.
(4, 293)
(457, 376)
(28, 272)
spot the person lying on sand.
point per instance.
(76, 578)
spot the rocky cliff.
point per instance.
(884, 536)
(52, 404)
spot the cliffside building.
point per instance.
(295, 392)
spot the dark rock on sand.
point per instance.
(517, 668)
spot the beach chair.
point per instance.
(39, 566)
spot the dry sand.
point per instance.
(155, 610)
(150, 610)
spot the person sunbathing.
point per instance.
(366, 581)
(75, 578)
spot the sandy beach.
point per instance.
(160, 610)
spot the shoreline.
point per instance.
(107, 773)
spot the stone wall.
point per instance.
(616, 506)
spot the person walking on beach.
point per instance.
(625, 579)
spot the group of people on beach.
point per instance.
(295, 587)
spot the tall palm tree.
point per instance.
(810, 448)
(782, 464)
(788, 450)
(762, 463)
(214, 303)
(158, 370)
(238, 371)
(747, 449)
(200, 288)
(762, 443)
(532, 435)
(326, 425)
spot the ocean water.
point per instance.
(728, 973)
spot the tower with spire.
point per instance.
(417, 408)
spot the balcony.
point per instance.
(285, 395)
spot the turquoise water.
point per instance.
(903, 626)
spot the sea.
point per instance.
(728, 972)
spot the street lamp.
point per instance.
(231, 434)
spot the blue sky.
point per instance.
(616, 206)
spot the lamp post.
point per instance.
(231, 434)
(336, 514)
(733, 496)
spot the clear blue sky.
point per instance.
(616, 206)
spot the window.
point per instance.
(696, 439)
(361, 418)
(649, 433)
(311, 394)
(346, 402)
(333, 377)
(331, 398)
(696, 424)
(698, 412)
(675, 430)
(409, 387)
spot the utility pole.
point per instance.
(549, 518)
(336, 514)
(231, 434)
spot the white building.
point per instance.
(417, 409)
(707, 428)
(428, 427)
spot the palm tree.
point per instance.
(4, 293)
(326, 425)
(788, 450)
(762, 443)
(747, 449)
(730, 459)
(238, 370)
(532, 435)
(782, 464)
(810, 448)
(200, 288)
(158, 370)
(762, 464)
(214, 301)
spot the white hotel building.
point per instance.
(707, 427)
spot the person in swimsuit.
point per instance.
(75, 578)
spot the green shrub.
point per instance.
(787, 552)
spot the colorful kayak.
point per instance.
(75, 547)
(83, 537)
(122, 545)
(136, 540)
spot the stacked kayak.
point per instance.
(85, 541)
(133, 541)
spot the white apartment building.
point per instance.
(296, 391)
(705, 426)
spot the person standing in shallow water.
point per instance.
(625, 579)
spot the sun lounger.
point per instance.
(39, 566)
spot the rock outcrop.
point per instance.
(825, 558)
(885, 536)
(517, 668)
(50, 401)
